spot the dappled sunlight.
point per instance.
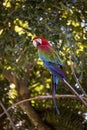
(24, 76)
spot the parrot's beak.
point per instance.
(38, 43)
(34, 43)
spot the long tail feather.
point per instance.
(54, 83)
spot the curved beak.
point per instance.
(36, 43)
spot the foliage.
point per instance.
(63, 22)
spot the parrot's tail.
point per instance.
(54, 83)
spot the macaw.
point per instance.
(52, 62)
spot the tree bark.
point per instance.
(23, 93)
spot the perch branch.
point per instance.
(9, 118)
(41, 98)
(74, 92)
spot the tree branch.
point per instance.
(42, 98)
(9, 118)
(74, 92)
(23, 93)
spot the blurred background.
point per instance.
(22, 74)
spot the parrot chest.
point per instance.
(45, 55)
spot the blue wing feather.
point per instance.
(55, 70)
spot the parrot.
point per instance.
(52, 62)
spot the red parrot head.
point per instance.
(39, 42)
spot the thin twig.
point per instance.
(76, 79)
(74, 92)
(41, 98)
(9, 118)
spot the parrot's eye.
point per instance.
(37, 42)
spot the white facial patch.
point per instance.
(36, 41)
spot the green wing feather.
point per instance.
(47, 53)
